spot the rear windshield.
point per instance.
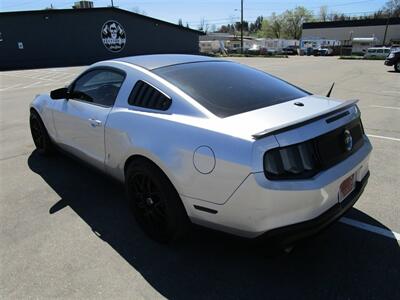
(227, 88)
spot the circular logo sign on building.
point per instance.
(113, 36)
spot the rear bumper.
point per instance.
(258, 208)
(289, 234)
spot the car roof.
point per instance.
(156, 61)
(375, 48)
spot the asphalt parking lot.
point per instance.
(65, 230)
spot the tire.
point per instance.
(397, 66)
(154, 202)
(41, 139)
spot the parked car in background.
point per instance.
(377, 52)
(290, 50)
(254, 50)
(394, 59)
(271, 51)
(323, 51)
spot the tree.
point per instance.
(180, 23)
(333, 16)
(275, 26)
(224, 28)
(203, 25)
(231, 28)
(293, 21)
(258, 22)
(238, 26)
(392, 8)
(323, 13)
(257, 25)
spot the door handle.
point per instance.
(94, 122)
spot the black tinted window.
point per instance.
(144, 95)
(98, 86)
(227, 89)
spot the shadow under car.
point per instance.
(342, 262)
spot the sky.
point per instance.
(216, 12)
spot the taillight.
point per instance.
(292, 162)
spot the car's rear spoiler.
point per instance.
(303, 121)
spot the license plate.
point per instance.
(346, 187)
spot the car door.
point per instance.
(371, 53)
(80, 119)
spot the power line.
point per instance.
(254, 17)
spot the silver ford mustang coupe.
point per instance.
(211, 142)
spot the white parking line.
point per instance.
(31, 85)
(388, 107)
(384, 137)
(396, 92)
(15, 86)
(371, 228)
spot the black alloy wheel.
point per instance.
(40, 136)
(150, 205)
(37, 134)
(154, 202)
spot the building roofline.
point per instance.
(351, 23)
(78, 10)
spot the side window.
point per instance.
(380, 51)
(145, 95)
(99, 86)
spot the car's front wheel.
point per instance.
(155, 203)
(39, 133)
(397, 66)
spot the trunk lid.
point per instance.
(261, 122)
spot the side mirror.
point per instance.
(61, 93)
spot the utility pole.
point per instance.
(386, 28)
(112, 3)
(241, 26)
(387, 23)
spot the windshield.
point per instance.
(227, 88)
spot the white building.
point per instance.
(276, 44)
(234, 44)
(212, 40)
(316, 42)
(83, 4)
(211, 46)
(361, 45)
(346, 31)
(212, 43)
